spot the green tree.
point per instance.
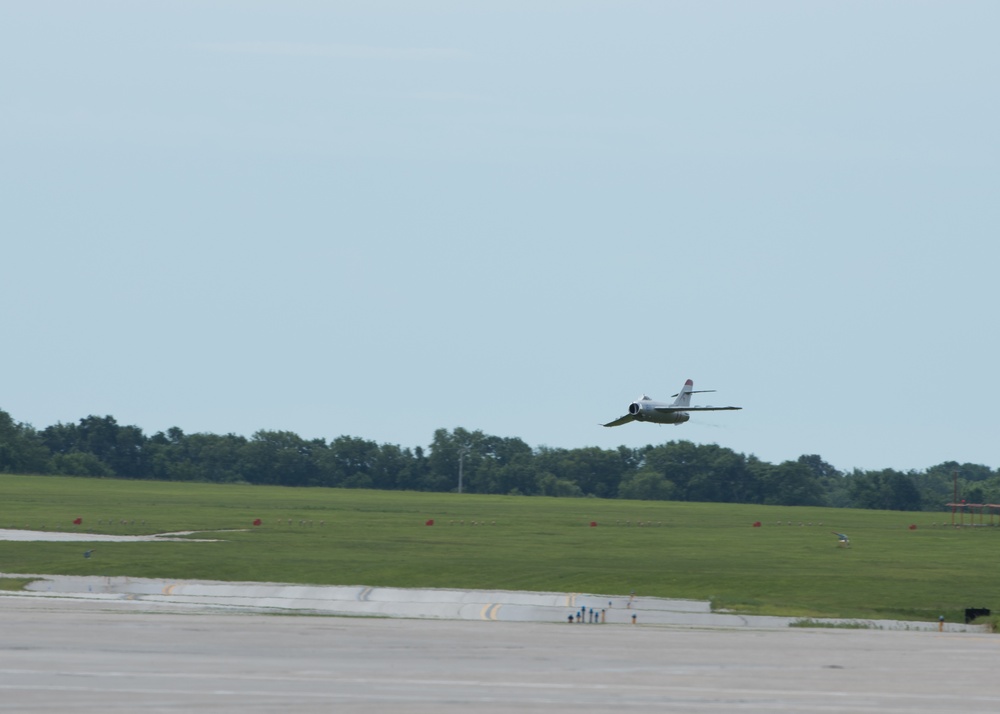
(551, 485)
(393, 467)
(646, 486)
(723, 477)
(833, 482)
(21, 448)
(598, 472)
(78, 463)
(282, 458)
(702, 472)
(676, 461)
(790, 483)
(518, 477)
(887, 490)
(351, 462)
(177, 456)
(121, 448)
(449, 453)
(481, 458)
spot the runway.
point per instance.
(98, 655)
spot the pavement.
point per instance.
(24, 535)
(437, 604)
(98, 655)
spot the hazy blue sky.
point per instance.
(378, 219)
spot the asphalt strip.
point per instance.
(78, 537)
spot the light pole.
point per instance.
(461, 462)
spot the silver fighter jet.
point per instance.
(646, 409)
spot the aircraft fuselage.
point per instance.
(645, 410)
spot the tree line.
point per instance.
(676, 470)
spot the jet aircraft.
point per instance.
(677, 412)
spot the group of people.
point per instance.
(585, 615)
(598, 616)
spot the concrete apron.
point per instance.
(362, 601)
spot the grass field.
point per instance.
(378, 538)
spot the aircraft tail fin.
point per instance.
(684, 396)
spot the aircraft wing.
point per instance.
(668, 410)
(622, 420)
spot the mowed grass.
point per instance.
(377, 538)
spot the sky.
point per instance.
(384, 218)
